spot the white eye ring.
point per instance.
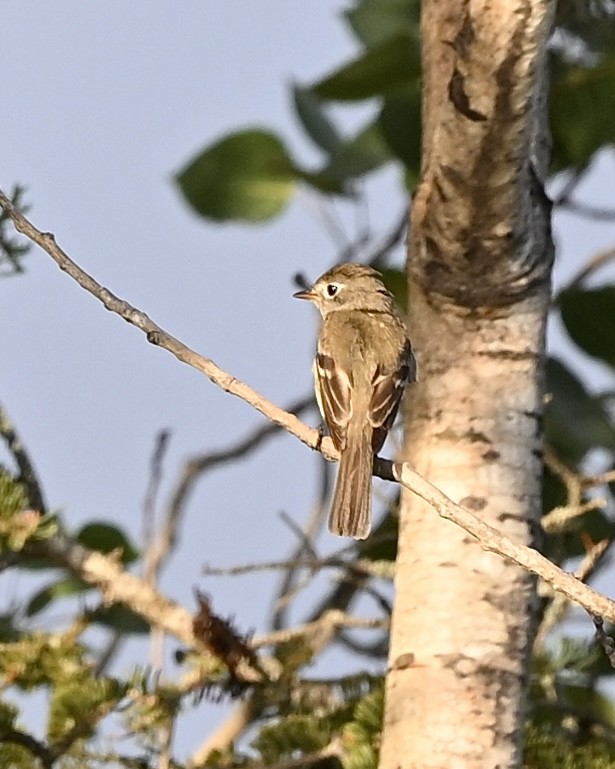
(332, 289)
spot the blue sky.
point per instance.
(102, 103)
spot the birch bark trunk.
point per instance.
(479, 266)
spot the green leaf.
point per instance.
(9, 631)
(400, 123)
(589, 317)
(369, 710)
(247, 176)
(591, 704)
(106, 538)
(314, 119)
(80, 705)
(575, 421)
(65, 587)
(373, 21)
(306, 733)
(593, 24)
(120, 618)
(327, 183)
(582, 106)
(548, 747)
(360, 155)
(397, 283)
(380, 69)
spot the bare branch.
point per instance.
(599, 260)
(570, 185)
(198, 465)
(598, 480)
(156, 548)
(31, 744)
(157, 336)
(225, 734)
(495, 542)
(290, 586)
(381, 569)
(118, 586)
(588, 211)
(158, 544)
(329, 622)
(389, 242)
(559, 519)
(556, 611)
(326, 215)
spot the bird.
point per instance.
(363, 361)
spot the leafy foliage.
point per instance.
(12, 249)
(545, 749)
(251, 176)
(582, 104)
(384, 67)
(589, 317)
(576, 421)
(248, 175)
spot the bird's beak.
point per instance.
(309, 294)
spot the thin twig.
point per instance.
(380, 569)
(599, 260)
(168, 731)
(596, 213)
(289, 588)
(327, 216)
(494, 541)
(570, 185)
(27, 473)
(570, 478)
(598, 480)
(158, 544)
(391, 240)
(558, 608)
(560, 518)
(330, 621)
(198, 465)
(154, 554)
(230, 730)
(291, 584)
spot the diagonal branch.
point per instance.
(157, 336)
(492, 540)
(124, 587)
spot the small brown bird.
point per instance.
(363, 361)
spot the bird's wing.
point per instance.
(333, 392)
(388, 387)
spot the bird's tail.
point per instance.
(351, 509)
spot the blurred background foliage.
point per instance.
(250, 176)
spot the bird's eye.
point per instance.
(332, 289)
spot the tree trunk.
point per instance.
(479, 285)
